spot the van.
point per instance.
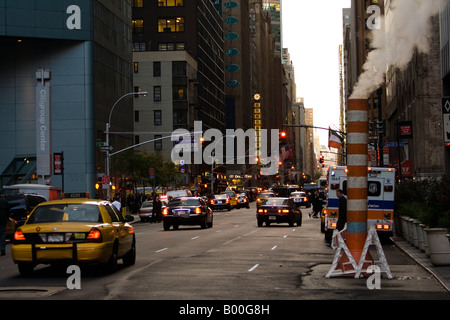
(380, 197)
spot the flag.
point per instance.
(334, 139)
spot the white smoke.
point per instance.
(405, 27)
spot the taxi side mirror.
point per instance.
(129, 218)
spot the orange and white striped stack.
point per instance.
(357, 159)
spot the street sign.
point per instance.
(393, 144)
(106, 148)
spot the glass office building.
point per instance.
(62, 67)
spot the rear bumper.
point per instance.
(52, 253)
(277, 218)
(190, 220)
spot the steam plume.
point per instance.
(407, 26)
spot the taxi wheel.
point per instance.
(26, 269)
(111, 265)
(130, 257)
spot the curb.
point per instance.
(429, 269)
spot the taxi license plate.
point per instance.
(55, 238)
(272, 218)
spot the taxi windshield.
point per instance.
(65, 213)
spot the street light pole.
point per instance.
(108, 148)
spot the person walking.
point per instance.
(4, 216)
(342, 220)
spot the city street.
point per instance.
(234, 260)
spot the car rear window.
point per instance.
(276, 202)
(184, 202)
(65, 213)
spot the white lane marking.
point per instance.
(247, 234)
(274, 247)
(161, 250)
(285, 236)
(229, 241)
(253, 268)
(195, 238)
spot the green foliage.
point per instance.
(425, 200)
(136, 164)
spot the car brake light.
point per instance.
(198, 210)
(212, 201)
(165, 211)
(94, 235)
(19, 236)
(305, 199)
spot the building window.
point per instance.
(174, 24)
(138, 25)
(157, 93)
(136, 139)
(156, 68)
(179, 117)
(178, 68)
(139, 46)
(158, 143)
(171, 46)
(157, 117)
(136, 116)
(179, 93)
(138, 3)
(170, 3)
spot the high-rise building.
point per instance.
(63, 65)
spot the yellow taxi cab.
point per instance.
(234, 201)
(74, 231)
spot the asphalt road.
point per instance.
(233, 260)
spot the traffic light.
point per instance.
(322, 160)
(283, 134)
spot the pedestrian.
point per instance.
(117, 203)
(317, 204)
(158, 209)
(4, 216)
(342, 220)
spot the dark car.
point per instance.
(263, 196)
(187, 211)
(220, 202)
(278, 210)
(243, 200)
(21, 205)
(300, 198)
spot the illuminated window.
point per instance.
(170, 3)
(175, 24)
(138, 25)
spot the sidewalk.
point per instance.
(441, 273)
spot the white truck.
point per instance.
(380, 194)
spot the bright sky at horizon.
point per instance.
(312, 32)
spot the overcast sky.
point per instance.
(312, 31)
